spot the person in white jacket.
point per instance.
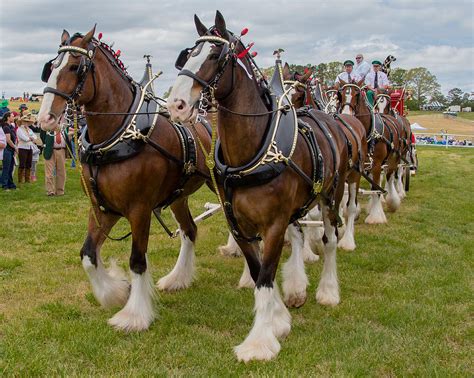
(25, 146)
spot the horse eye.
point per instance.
(213, 56)
(73, 67)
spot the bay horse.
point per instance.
(384, 147)
(355, 136)
(132, 173)
(383, 102)
(218, 66)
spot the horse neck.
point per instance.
(241, 136)
(113, 95)
(364, 115)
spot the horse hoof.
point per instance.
(224, 250)
(346, 245)
(128, 322)
(310, 257)
(296, 300)
(171, 283)
(258, 349)
(327, 298)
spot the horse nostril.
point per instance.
(181, 105)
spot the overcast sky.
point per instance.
(437, 34)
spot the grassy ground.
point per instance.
(434, 122)
(406, 291)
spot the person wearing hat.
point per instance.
(9, 152)
(361, 68)
(26, 144)
(23, 108)
(54, 153)
(348, 76)
(375, 80)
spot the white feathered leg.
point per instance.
(139, 312)
(246, 280)
(295, 280)
(347, 242)
(261, 343)
(110, 286)
(392, 200)
(399, 186)
(231, 248)
(312, 237)
(182, 274)
(328, 288)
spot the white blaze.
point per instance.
(48, 98)
(182, 86)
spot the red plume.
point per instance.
(244, 31)
(254, 54)
(245, 52)
(117, 54)
(99, 36)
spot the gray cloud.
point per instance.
(434, 34)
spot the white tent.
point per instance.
(416, 126)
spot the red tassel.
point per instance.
(117, 54)
(306, 70)
(245, 52)
(254, 54)
(244, 31)
(99, 36)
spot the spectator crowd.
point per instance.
(22, 142)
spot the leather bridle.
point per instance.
(86, 65)
(339, 94)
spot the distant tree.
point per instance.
(439, 97)
(334, 69)
(321, 72)
(455, 96)
(398, 77)
(423, 83)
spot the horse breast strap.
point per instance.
(278, 146)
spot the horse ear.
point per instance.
(286, 71)
(342, 82)
(65, 36)
(220, 24)
(88, 37)
(360, 83)
(201, 29)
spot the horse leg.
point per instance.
(110, 286)
(139, 312)
(375, 209)
(392, 200)
(272, 318)
(328, 288)
(312, 236)
(347, 242)
(295, 280)
(246, 280)
(400, 186)
(231, 248)
(182, 274)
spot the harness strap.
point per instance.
(351, 130)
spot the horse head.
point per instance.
(205, 68)
(298, 86)
(382, 101)
(67, 77)
(348, 95)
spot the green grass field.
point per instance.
(464, 115)
(406, 309)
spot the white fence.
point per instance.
(444, 140)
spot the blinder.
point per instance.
(183, 58)
(48, 67)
